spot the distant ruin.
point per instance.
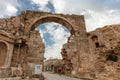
(52, 65)
(93, 55)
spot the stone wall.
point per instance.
(22, 51)
(104, 47)
(53, 65)
(76, 57)
(27, 48)
(102, 60)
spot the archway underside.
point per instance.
(53, 19)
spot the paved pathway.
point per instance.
(50, 76)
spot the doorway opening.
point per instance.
(95, 40)
(54, 35)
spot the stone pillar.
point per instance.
(35, 51)
(83, 55)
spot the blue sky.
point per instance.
(98, 13)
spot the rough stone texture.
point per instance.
(52, 64)
(94, 55)
(105, 52)
(102, 59)
(24, 45)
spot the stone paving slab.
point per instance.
(50, 76)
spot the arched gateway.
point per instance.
(28, 46)
(71, 22)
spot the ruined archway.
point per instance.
(3, 53)
(54, 35)
(60, 19)
(22, 30)
(73, 23)
(56, 19)
(52, 18)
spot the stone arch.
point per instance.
(74, 23)
(3, 52)
(52, 18)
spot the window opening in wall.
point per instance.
(110, 39)
(112, 57)
(97, 44)
(95, 40)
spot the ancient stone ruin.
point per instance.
(92, 55)
(102, 59)
(52, 65)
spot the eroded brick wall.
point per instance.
(106, 53)
(28, 48)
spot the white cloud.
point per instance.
(98, 13)
(11, 10)
(42, 2)
(59, 5)
(57, 32)
(53, 51)
(102, 19)
(59, 36)
(42, 35)
(8, 8)
(42, 5)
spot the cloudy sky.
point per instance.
(98, 13)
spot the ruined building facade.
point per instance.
(53, 65)
(93, 55)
